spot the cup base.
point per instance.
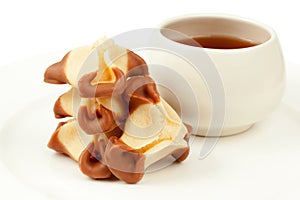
(226, 131)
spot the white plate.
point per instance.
(262, 163)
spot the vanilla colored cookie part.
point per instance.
(66, 140)
(63, 106)
(66, 70)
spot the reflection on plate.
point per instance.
(262, 163)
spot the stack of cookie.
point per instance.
(113, 103)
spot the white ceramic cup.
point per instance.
(253, 78)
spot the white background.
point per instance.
(33, 27)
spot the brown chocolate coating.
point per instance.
(123, 161)
(91, 161)
(58, 110)
(55, 73)
(182, 153)
(189, 132)
(140, 90)
(99, 121)
(54, 142)
(136, 66)
(117, 131)
(87, 90)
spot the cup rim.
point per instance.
(261, 25)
